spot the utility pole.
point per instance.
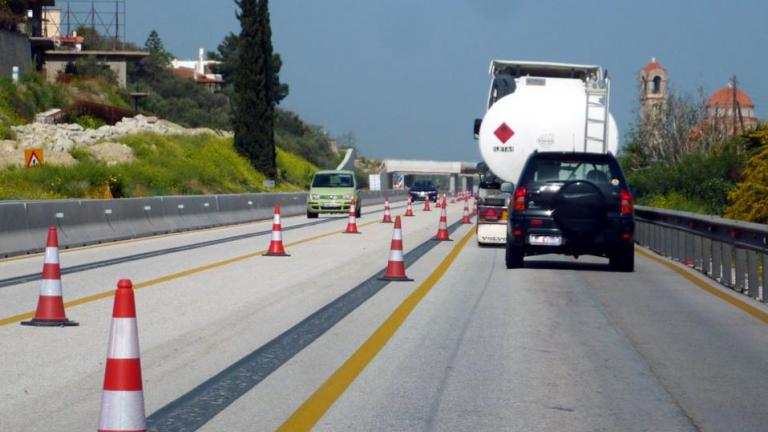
(735, 102)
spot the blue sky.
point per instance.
(409, 76)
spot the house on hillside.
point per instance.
(200, 71)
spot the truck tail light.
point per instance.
(627, 203)
(489, 214)
(504, 215)
(519, 200)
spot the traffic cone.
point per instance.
(396, 267)
(387, 211)
(122, 403)
(50, 304)
(426, 204)
(474, 207)
(453, 197)
(352, 224)
(465, 218)
(276, 245)
(409, 210)
(442, 228)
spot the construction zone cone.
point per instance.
(396, 267)
(409, 210)
(474, 207)
(276, 245)
(442, 228)
(122, 403)
(453, 197)
(387, 211)
(50, 304)
(426, 204)
(465, 218)
(352, 224)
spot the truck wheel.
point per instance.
(513, 256)
(623, 260)
(311, 215)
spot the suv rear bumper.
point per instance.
(618, 233)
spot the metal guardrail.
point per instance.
(733, 253)
(23, 224)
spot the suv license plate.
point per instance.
(330, 205)
(543, 240)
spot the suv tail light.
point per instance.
(519, 201)
(627, 203)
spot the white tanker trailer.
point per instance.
(535, 106)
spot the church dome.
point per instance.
(652, 66)
(724, 98)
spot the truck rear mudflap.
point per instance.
(491, 233)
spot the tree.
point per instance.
(253, 102)
(749, 201)
(155, 47)
(227, 53)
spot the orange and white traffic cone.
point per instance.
(122, 403)
(387, 211)
(426, 204)
(409, 210)
(50, 303)
(396, 266)
(474, 207)
(442, 228)
(276, 245)
(352, 224)
(465, 218)
(453, 197)
(437, 202)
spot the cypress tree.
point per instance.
(253, 116)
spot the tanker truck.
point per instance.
(536, 106)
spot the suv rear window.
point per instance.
(563, 169)
(331, 180)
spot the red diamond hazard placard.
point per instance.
(33, 158)
(504, 133)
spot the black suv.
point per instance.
(423, 190)
(572, 204)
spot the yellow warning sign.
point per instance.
(33, 158)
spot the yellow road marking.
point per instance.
(751, 310)
(167, 278)
(310, 412)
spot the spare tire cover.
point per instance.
(579, 209)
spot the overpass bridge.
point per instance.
(460, 176)
(232, 340)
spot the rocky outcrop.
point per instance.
(59, 139)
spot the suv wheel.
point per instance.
(358, 212)
(514, 256)
(311, 215)
(623, 260)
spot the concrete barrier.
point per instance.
(23, 225)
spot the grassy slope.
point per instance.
(165, 165)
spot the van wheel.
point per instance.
(513, 256)
(623, 260)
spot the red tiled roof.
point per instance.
(724, 98)
(650, 67)
(185, 72)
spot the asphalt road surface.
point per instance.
(234, 341)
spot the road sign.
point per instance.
(33, 158)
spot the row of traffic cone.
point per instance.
(122, 404)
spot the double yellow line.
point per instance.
(106, 294)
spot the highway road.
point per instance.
(234, 341)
